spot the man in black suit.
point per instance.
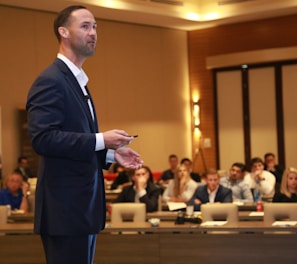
(211, 192)
(23, 168)
(70, 204)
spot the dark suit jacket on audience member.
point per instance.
(195, 176)
(150, 199)
(224, 195)
(122, 178)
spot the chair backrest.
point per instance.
(219, 212)
(134, 211)
(280, 211)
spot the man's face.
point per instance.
(81, 32)
(270, 160)
(212, 181)
(235, 173)
(257, 166)
(24, 163)
(188, 165)
(14, 182)
(173, 162)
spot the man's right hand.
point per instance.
(114, 139)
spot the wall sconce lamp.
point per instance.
(196, 119)
(196, 114)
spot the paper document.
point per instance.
(284, 223)
(176, 206)
(213, 223)
(256, 214)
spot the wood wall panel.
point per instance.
(262, 111)
(230, 116)
(289, 105)
(261, 34)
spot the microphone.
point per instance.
(87, 97)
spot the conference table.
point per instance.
(128, 242)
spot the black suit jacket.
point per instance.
(70, 198)
(223, 195)
(150, 199)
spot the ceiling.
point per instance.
(177, 14)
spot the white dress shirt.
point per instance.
(83, 79)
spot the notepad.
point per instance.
(214, 223)
(284, 223)
(176, 206)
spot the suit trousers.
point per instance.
(69, 249)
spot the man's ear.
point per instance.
(63, 32)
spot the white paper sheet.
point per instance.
(284, 223)
(256, 214)
(213, 223)
(176, 206)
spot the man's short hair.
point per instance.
(63, 18)
(239, 165)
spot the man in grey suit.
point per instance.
(211, 192)
(70, 199)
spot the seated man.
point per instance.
(168, 174)
(211, 192)
(271, 166)
(15, 193)
(23, 168)
(260, 181)
(141, 191)
(234, 181)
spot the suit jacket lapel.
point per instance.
(78, 91)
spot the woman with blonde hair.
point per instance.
(288, 189)
(181, 188)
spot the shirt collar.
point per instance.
(79, 74)
(214, 191)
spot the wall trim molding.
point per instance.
(251, 57)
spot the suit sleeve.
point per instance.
(52, 118)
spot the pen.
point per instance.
(135, 136)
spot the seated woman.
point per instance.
(288, 188)
(142, 190)
(181, 188)
(15, 193)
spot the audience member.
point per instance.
(122, 179)
(15, 192)
(23, 168)
(271, 166)
(234, 181)
(169, 173)
(188, 163)
(260, 181)
(181, 188)
(211, 192)
(141, 191)
(288, 188)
